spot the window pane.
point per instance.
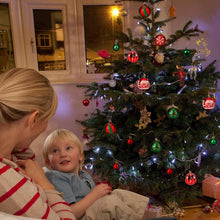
(48, 26)
(101, 27)
(6, 45)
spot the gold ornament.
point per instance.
(201, 115)
(144, 119)
(159, 119)
(172, 11)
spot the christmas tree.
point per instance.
(157, 132)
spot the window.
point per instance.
(101, 44)
(60, 38)
(44, 40)
(7, 60)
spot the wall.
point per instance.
(204, 13)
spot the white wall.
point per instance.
(202, 12)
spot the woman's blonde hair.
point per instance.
(23, 91)
(61, 134)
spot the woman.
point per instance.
(27, 102)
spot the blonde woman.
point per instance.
(27, 102)
(63, 155)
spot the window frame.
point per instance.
(73, 23)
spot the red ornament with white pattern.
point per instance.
(209, 103)
(143, 84)
(160, 40)
(133, 56)
(190, 179)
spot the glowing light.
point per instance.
(96, 150)
(115, 12)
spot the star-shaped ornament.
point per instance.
(201, 115)
(172, 11)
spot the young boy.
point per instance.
(63, 155)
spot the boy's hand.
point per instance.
(101, 190)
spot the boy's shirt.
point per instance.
(73, 187)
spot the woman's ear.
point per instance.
(34, 117)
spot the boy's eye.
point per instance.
(55, 151)
(69, 147)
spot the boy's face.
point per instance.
(64, 156)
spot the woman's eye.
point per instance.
(69, 147)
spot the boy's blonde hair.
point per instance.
(61, 134)
(23, 91)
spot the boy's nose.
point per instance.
(62, 153)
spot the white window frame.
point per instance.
(21, 13)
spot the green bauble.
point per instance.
(116, 47)
(213, 141)
(187, 52)
(156, 147)
(173, 113)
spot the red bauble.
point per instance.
(144, 11)
(190, 179)
(110, 128)
(130, 141)
(133, 56)
(143, 84)
(169, 171)
(160, 40)
(116, 166)
(85, 102)
(209, 103)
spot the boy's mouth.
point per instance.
(64, 162)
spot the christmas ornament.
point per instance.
(116, 166)
(156, 146)
(193, 72)
(209, 103)
(133, 56)
(158, 59)
(110, 128)
(207, 209)
(201, 115)
(144, 11)
(140, 30)
(213, 141)
(116, 46)
(216, 205)
(142, 152)
(180, 73)
(130, 141)
(187, 52)
(169, 171)
(202, 42)
(143, 84)
(144, 119)
(178, 212)
(112, 83)
(85, 102)
(112, 108)
(103, 54)
(173, 112)
(172, 11)
(159, 119)
(190, 178)
(160, 40)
